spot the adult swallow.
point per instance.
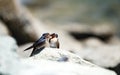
(40, 44)
(54, 42)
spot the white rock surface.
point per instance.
(59, 54)
(105, 56)
(11, 64)
(45, 67)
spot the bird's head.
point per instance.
(46, 35)
(54, 35)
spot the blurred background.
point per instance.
(88, 28)
(93, 12)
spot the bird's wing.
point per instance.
(32, 52)
(39, 42)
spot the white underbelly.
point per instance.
(53, 45)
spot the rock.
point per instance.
(83, 32)
(23, 26)
(100, 53)
(51, 54)
(115, 40)
(67, 42)
(105, 55)
(3, 29)
(8, 56)
(58, 54)
(93, 42)
(73, 63)
(11, 64)
(46, 67)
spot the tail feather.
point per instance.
(28, 48)
(32, 52)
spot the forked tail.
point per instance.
(28, 48)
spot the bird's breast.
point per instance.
(54, 40)
(53, 43)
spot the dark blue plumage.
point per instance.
(39, 44)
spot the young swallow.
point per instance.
(54, 42)
(40, 44)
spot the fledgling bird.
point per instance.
(40, 44)
(54, 42)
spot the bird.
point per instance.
(54, 41)
(40, 44)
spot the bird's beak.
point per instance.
(49, 36)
